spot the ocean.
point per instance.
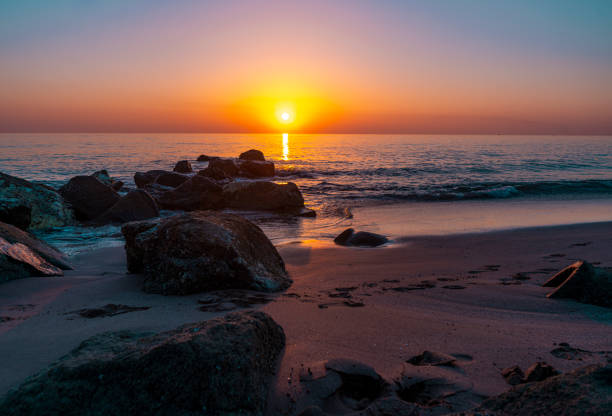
(400, 185)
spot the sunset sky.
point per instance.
(518, 66)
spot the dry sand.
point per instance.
(444, 294)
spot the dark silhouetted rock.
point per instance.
(206, 158)
(228, 166)
(586, 391)
(197, 193)
(143, 178)
(255, 169)
(88, 196)
(216, 367)
(583, 282)
(252, 155)
(539, 371)
(513, 375)
(18, 261)
(171, 179)
(349, 237)
(262, 196)
(183, 166)
(203, 251)
(135, 206)
(46, 206)
(14, 235)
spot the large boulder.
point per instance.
(255, 169)
(586, 391)
(217, 367)
(227, 166)
(14, 235)
(201, 251)
(29, 205)
(88, 196)
(349, 237)
(261, 195)
(183, 166)
(197, 193)
(583, 282)
(252, 155)
(135, 206)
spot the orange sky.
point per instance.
(344, 66)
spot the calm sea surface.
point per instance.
(400, 184)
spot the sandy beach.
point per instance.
(450, 294)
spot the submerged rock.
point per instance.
(14, 235)
(349, 237)
(197, 193)
(586, 391)
(583, 282)
(201, 251)
(183, 166)
(136, 205)
(218, 367)
(262, 196)
(20, 199)
(88, 196)
(252, 155)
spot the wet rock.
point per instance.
(513, 375)
(14, 235)
(227, 166)
(88, 196)
(218, 367)
(197, 193)
(360, 239)
(252, 155)
(18, 261)
(202, 251)
(183, 166)
(143, 178)
(432, 358)
(255, 169)
(46, 206)
(262, 196)
(539, 371)
(206, 158)
(583, 282)
(171, 179)
(135, 206)
(583, 392)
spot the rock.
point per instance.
(88, 196)
(18, 261)
(360, 239)
(583, 282)
(136, 205)
(46, 206)
(214, 173)
(206, 158)
(432, 358)
(202, 251)
(262, 196)
(183, 166)
(171, 179)
(585, 391)
(14, 235)
(227, 166)
(255, 169)
(252, 155)
(197, 193)
(143, 178)
(218, 367)
(539, 371)
(513, 375)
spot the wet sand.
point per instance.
(477, 296)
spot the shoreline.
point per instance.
(467, 311)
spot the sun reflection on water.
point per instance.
(285, 146)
